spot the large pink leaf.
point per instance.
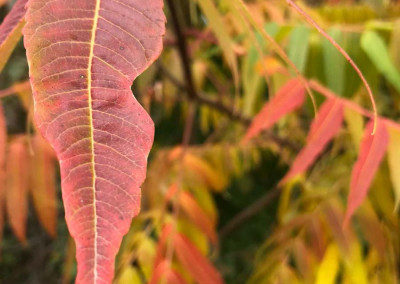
(372, 150)
(288, 98)
(323, 129)
(3, 147)
(83, 56)
(10, 31)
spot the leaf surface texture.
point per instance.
(83, 57)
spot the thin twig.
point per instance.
(343, 52)
(183, 51)
(278, 49)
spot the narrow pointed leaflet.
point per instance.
(372, 150)
(10, 31)
(288, 98)
(83, 57)
(323, 129)
(17, 183)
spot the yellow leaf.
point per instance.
(130, 275)
(329, 267)
(146, 253)
(394, 163)
(220, 30)
(355, 125)
(356, 271)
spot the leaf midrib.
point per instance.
(90, 106)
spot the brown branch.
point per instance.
(183, 51)
(225, 110)
(249, 212)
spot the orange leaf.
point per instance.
(372, 150)
(3, 143)
(197, 214)
(43, 183)
(194, 262)
(162, 243)
(17, 181)
(323, 129)
(164, 271)
(288, 98)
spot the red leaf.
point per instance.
(42, 184)
(3, 144)
(10, 31)
(194, 262)
(323, 129)
(372, 150)
(287, 99)
(17, 181)
(83, 57)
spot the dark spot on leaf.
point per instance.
(82, 76)
(121, 48)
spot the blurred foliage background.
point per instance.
(215, 74)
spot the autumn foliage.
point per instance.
(232, 143)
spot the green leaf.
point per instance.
(377, 51)
(220, 30)
(298, 47)
(334, 63)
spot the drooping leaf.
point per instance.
(323, 129)
(3, 145)
(287, 99)
(43, 184)
(17, 182)
(83, 57)
(372, 150)
(378, 52)
(194, 262)
(394, 165)
(10, 31)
